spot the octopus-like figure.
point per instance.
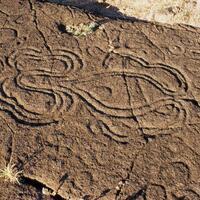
(44, 86)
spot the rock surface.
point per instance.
(113, 115)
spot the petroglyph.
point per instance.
(113, 115)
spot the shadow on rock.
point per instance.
(94, 7)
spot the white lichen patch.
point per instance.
(48, 192)
(82, 29)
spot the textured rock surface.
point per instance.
(113, 115)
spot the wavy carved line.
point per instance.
(120, 73)
(112, 111)
(130, 74)
(58, 96)
(106, 130)
(141, 63)
(18, 109)
(72, 61)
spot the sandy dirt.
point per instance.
(112, 115)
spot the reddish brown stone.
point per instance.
(113, 115)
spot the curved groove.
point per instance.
(58, 96)
(111, 111)
(120, 73)
(144, 64)
(146, 77)
(73, 61)
(111, 134)
(22, 116)
(128, 112)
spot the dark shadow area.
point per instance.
(62, 28)
(62, 180)
(39, 186)
(103, 194)
(95, 8)
(138, 194)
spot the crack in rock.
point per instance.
(35, 21)
(41, 187)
